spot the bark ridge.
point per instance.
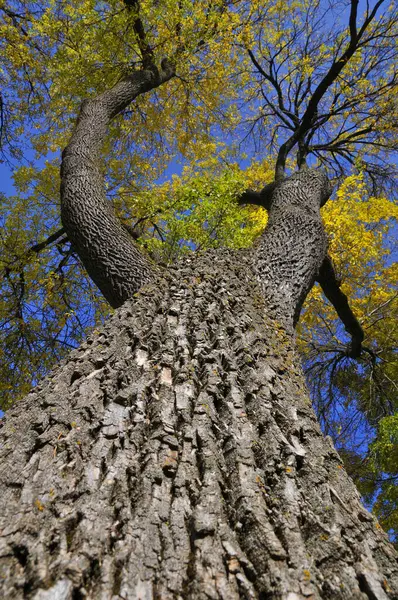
(176, 455)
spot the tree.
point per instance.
(49, 304)
(176, 453)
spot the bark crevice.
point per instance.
(171, 464)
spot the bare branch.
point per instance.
(326, 82)
(331, 288)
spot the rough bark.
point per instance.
(292, 252)
(104, 246)
(176, 455)
(294, 245)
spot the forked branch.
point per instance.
(302, 128)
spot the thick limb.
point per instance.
(262, 198)
(331, 287)
(295, 224)
(104, 246)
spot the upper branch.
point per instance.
(307, 120)
(275, 83)
(353, 19)
(145, 49)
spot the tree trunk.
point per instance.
(175, 454)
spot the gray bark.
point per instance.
(104, 246)
(176, 455)
(294, 245)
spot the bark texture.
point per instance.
(176, 455)
(294, 245)
(104, 246)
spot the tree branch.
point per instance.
(104, 246)
(331, 288)
(262, 198)
(51, 238)
(330, 77)
(36, 248)
(133, 6)
(274, 82)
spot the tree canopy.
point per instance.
(259, 88)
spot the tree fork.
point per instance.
(176, 454)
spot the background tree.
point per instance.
(77, 156)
